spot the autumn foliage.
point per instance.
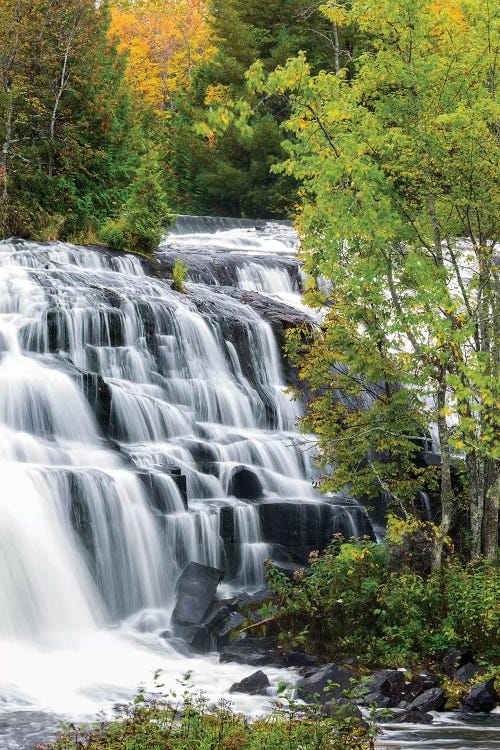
(165, 40)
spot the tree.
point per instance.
(16, 32)
(164, 42)
(229, 172)
(400, 212)
(72, 141)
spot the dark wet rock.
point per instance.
(385, 688)
(199, 637)
(196, 589)
(98, 394)
(204, 455)
(300, 659)
(481, 698)
(80, 514)
(406, 717)
(287, 568)
(431, 459)
(57, 330)
(468, 672)
(232, 624)
(455, 658)
(254, 684)
(326, 682)
(256, 652)
(181, 482)
(216, 615)
(244, 484)
(158, 493)
(416, 686)
(431, 700)
(303, 527)
(256, 598)
(232, 602)
(342, 707)
(377, 699)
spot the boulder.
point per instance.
(234, 621)
(252, 685)
(481, 698)
(406, 717)
(415, 687)
(244, 484)
(455, 658)
(342, 708)
(199, 637)
(256, 652)
(317, 683)
(431, 700)
(216, 615)
(300, 659)
(468, 672)
(385, 688)
(377, 699)
(196, 589)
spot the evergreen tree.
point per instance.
(229, 172)
(72, 140)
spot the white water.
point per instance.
(89, 556)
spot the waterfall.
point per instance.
(113, 389)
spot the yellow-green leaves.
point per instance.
(398, 163)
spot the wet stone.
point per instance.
(431, 700)
(252, 685)
(195, 593)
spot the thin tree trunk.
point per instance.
(63, 81)
(336, 46)
(447, 497)
(491, 507)
(475, 477)
(4, 160)
(492, 473)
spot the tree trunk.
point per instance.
(475, 476)
(447, 497)
(4, 159)
(491, 507)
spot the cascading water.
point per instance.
(112, 388)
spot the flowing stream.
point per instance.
(114, 391)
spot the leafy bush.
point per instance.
(179, 273)
(187, 722)
(354, 601)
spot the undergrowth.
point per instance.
(372, 601)
(188, 722)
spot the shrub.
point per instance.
(179, 273)
(186, 722)
(352, 601)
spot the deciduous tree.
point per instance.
(400, 212)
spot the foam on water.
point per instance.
(110, 385)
